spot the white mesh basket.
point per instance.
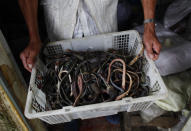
(128, 41)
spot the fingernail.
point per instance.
(30, 66)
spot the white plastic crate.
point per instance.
(130, 42)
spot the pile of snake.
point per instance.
(82, 78)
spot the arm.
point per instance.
(28, 56)
(150, 40)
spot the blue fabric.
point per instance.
(123, 12)
(113, 119)
(134, 2)
(71, 126)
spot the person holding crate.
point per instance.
(66, 19)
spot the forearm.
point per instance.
(149, 8)
(150, 40)
(29, 9)
(149, 12)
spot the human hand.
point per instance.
(29, 54)
(151, 42)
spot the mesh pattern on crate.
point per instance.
(145, 64)
(121, 42)
(36, 106)
(148, 81)
(55, 49)
(156, 86)
(134, 48)
(140, 106)
(38, 81)
(54, 119)
(47, 119)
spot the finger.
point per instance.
(24, 61)
(149, 50)
(29, 69)
(156, 50)
(30, 66)
(157, 47)
(155, 57)
(31, 60)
